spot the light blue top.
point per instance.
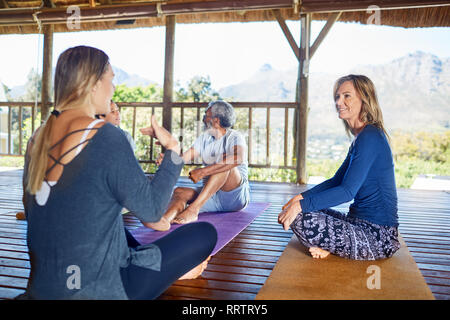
(211, 150)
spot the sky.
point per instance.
(227, 52)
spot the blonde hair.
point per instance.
(370, 109)
(77, 71)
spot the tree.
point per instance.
(198, 90)
(7, 92)
(34, 83)
(150, 93)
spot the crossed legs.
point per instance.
(186, 203)
(329, 231)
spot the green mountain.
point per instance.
(413, 91)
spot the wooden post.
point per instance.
(9, 130)
(168, 73)
(303, 54)
(302, 97)
(46, 87)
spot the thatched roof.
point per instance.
(25, 16)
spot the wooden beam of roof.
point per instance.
(4, 4)
(49, 4)
(323, 33)
(316, 6)
(136, 11)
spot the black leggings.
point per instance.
(181, 251)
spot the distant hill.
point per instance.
(131, 80)
(413, 91)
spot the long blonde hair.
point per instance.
(370, 109)
(77, 71)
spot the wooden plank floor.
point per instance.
(240, 269)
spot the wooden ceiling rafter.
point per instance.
(114, 14)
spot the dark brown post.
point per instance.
(47, 71)
(302, 97)
(168, 73)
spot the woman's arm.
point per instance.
(330, 183)
(147, 199)
(293, 207)
(359, 164)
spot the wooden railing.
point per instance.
(15, 130)
(266, 126)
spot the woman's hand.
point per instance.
(164, 137)
(289, 213)
(196, 175)
(296, 198)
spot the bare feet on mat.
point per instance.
(318, 253)
(161, 225)
(20, 215)
(165, 222)
(190, 214)
(197, 271)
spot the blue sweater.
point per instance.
(79, 232)
(367, 176)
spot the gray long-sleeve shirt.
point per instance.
(76, 241)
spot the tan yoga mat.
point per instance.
(297, 276)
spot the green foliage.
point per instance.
(198, 90)
(150, 93)
(325, 167)
(407, 169)
(422, 146)
(7, 91)
(9, 161)
(32, 86)
(272, 174)
(414, 154)
(26, 128)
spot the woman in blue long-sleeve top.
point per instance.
(370, 229)
(79, 173)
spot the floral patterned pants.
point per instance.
(344, 236)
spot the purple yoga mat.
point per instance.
(227, 224)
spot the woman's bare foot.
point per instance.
(318, 253)
(197, 271)
(161, 225)
(190, 214)
(164, 223)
